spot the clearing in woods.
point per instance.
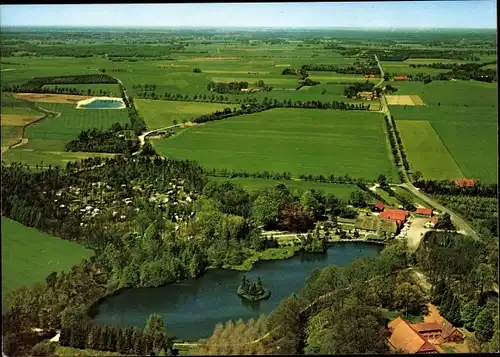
(29, 256)
(299, 141)
(404, 100)
(426, 152)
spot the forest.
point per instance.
(137, 213)
(114, 140)
(462, 270)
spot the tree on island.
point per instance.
(253, 291)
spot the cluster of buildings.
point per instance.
(392, 220)
(465, 182)
(422, 337)
(401, 78)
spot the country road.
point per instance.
(142, 137)
(456, 219)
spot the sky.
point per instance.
(411, 14)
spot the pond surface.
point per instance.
(103, 104)
(192, 308)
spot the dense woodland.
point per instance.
(35, 85)
(462, 270)
(369, 66)
(117, 139)
(137, 214)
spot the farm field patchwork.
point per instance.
(255, 184)
(29, 256)
(426, 152)
(404, 100)
(469, 134)
(52, 98)
(52, 134)
(300, 141)
(451, 93)
(162, 113)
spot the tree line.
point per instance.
(449, 187)
(359, 67)
(268, 102)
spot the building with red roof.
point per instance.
(465, 182)
(379, 206)
(397, 215)
(406, 339)
(421, 211)
(401, 78)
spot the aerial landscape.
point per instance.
(237, 179)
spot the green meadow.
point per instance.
(255, 184)
(300, 141)
(468, 133)
(29, 256)
(426, 152)
(162, 113)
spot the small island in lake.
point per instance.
(253, 291)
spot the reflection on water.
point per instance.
(191, 308)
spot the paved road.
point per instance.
(456, 219)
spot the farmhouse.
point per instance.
(365, 95)
(401, 78)
(396, 215)
(424, 212)
(374, 224)
(406, 339)
(431, 223)
(465, 182)
(369, 75)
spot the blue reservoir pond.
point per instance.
(104, 104)
(191, 308)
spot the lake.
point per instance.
(192, 308)
(102, 103)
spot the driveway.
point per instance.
(416, 232)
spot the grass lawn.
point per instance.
(162, 113)
(36, 157)
(469, 134)
(426, 152)
(268, 254)
(255, 184)
(29, 256)
(63, 351)
(392, 201)
(300, 141)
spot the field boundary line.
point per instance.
(447, 149)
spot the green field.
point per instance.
(46, 138)
(255, 184)
(468, 133)
(111, 90)
(426, 152)
(403, 69)
(451, 93)
(52, 133)
(29, 256)
(299, 141)
(161, 113)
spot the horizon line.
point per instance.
(248, 27)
